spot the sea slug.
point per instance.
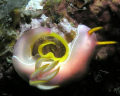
(46, 71)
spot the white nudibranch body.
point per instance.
(45, 74)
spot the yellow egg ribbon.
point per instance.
(50, 54)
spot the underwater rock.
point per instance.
(6, 6)
(98, 5)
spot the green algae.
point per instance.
(6, 6)
(9, 18)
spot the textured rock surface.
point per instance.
(6, 6)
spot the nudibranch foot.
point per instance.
(46, 87)
(39, 85)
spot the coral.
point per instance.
(35, 5)
(8, 22)
(8, 37)
(6, 6)
(97, 6)
(9, 25)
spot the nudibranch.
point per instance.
(46, 71)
